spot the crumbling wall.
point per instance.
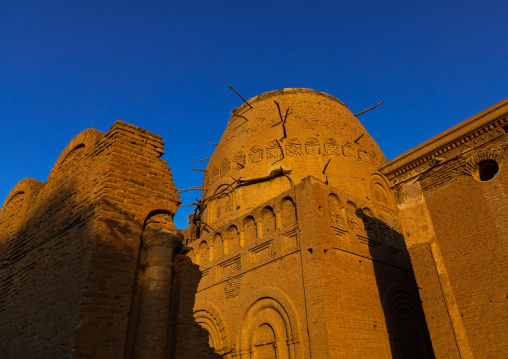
(69, 247)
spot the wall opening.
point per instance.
(486, 170)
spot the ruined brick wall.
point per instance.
(69, 247)
(452, 194)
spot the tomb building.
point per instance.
(306, 243)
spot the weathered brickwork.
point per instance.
(306, 243)
(300, 246)
(452, 195)
(70, 245)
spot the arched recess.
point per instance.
(273, 150)
(203, 255)
(214, 174)
(85, 139)
(209, 317)
(217, 249)
(352, 218)
(267, 221)
(293, 147)
(331, 147)
(407, 330)
(20, 194)
(238, 161)
(378, 190)
(335, 210)
(232, 240)
(222, 204)
(312, 146)
(255, 154)
(288, 212)
(225, 166)
(348, 149)
(370, 223)
(271, 313)
(249, 230)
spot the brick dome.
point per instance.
(320, 134)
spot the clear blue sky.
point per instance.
(165, 66)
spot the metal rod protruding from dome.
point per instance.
(326, 166)
(204, 159)
(370, 108)
(248, 104)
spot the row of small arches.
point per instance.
(363, 219)
(234, 238)
(292, 147)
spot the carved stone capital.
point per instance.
(161, 238)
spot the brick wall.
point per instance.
(452, 196)
(69, 247)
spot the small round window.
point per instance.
(486, 170)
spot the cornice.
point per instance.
(459, 139)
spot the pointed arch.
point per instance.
(217, 247)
